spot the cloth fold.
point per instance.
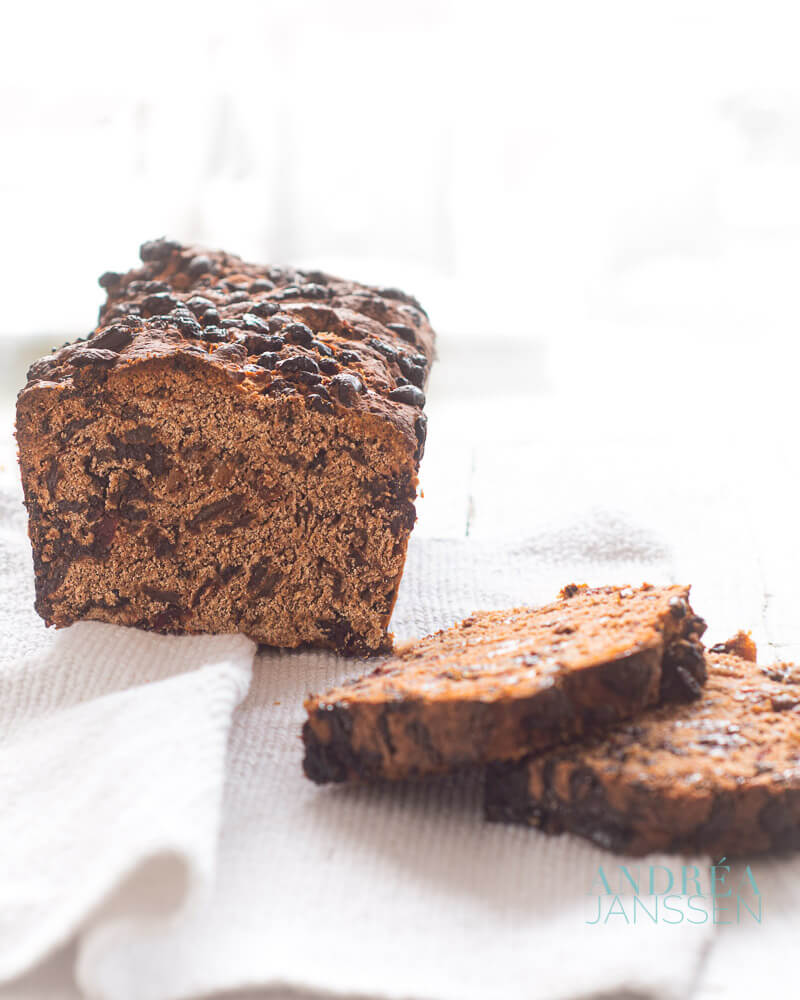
(112, 761)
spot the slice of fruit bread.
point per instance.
(720, 775)
(501, 684)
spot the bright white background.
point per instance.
(527, 168)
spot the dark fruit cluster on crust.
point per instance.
(504, 683)
(234, 448)
(721, 774)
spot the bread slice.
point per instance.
(503, 683)
(719, 775)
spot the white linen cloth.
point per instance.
(112, 756)
(182, 870)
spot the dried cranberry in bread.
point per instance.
(719, 775)
(503, 683)
(235, 448)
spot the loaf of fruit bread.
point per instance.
(234, 449)
(719, 775)
(503, 683)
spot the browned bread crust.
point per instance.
(503, 683)
(234, 448)
(719, 775)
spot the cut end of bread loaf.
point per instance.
(193, 467)
(503, 683)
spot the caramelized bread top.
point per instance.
(273, 331)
